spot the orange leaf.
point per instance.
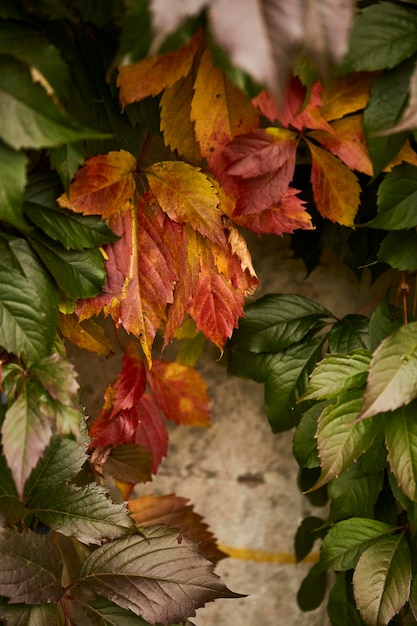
(131, 383)
(406, 154)
(348, 143)
(86, 335)
(175, 512)
(347, 94)
(186, 194)
(335, 188)
(180, 393)
(104, 185)
(220, 111)
(151, 76)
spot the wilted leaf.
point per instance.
(382, 578)
(391, 381)
(157, 566)
(36, 561)
(401, 442)
(175, 512)
(86, 335)
(337, 373)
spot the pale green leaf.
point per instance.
(346, 540)
(382, 578)
(340, 439)
(13, 167)
(401, 441)
(392, 381)
(155, 575)
(31, 567)
(337, 373)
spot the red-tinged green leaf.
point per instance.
(336, 189)
(401, 442)
(220, 111)
(336, 374)
(340, 439)
(346, 94)
(399, 250)
(348, 143)
(86, 335)
(81, 512)
(382, 579)
(396, 199)
(348, 539)
(187, 196)
(180, 393)
(131, 463)
(58, 377)
(103, 186)
(13, 165)
(391, 381)
(286, 216)
(341, 607)
(31, 568)
(158, 576)
(30, 615)
(130, 384)
(25, 434)
(151, 76)
(175, 512)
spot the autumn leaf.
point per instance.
(151, 431)
(180, 393)
(346, 94)
(86, 335)
(151, 76)
(175, 512)
(336, 189)
(103, 186)
(131, 382)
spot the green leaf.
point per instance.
(136, 32)
(287, 381)
(275, 322)
(341, 607)
(38, 563)
(58, 377)
(79, 273)
(33, 120)
(81, 512)
(340, 439)
(392, 381)
(337, 373)
(13, 167)
(104, 613)
(401, 441)
(131, 570)
(345, 542)
(399, 250)
(385, 319)
(382, 578)
(383, 35)
(397, 195)
(310, 529)
(30, 615)
(11, 509)
(131, 463)
(350, 333)
(353, 493)
(25, 434)
(388, 97)
(304, 443)
(312, 589)
(66, 160)
(249, 365)
(28, 304)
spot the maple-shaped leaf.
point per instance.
(261, 165)
(286, 216)
(175, 512)
(86, 335)
(336, 189)
(187, 196)
(151, 76)
(180, 393)
(220, 111)
(103, 186)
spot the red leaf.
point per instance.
(131, 383)
(180, 393)
(151, 431)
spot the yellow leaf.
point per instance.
(335, 187)
(86, 335)
(347, 94)
(406, 154)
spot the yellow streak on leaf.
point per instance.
(262, 556)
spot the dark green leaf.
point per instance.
(345, 542)
(276, 321)
(383, 35)
(105, 613)
(385, 319)
(11, 509)
(36, 560)
(82, 512)
(341, 607)
(396, 199)
(131, 570)
(353, 493)
(313, 589)
(131, 463)
(66, 159)
(401, 441)
(136, 32)
(287, 381)
(399, 250)
(310, 529)
(388, 97)
(305, 443)
(247, 364)
(350, 333)
(33, 120)
(382, 578)
(307, 478)
(30, 615)
(79, 273)
(13, 167)
(336, 374)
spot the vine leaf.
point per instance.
(13, 164)
(38, 562)
(401, 441)
(86, 335)
(391, 382)
(157, 563)
(337, 373)
(382, 579)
